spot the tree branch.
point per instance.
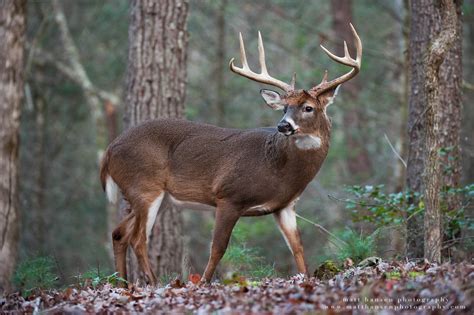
(75, 70)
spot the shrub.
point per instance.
(35, 274)
(356, 246)
(372, 204)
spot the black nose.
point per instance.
(284, 127)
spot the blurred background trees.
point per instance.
(77, 89)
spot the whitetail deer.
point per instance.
(239, 172)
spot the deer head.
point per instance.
(304, 110)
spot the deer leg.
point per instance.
(120, 239)
(286, 220)
(141, 236)
(225, 222)
(139, 246)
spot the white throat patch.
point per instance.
(308, 142)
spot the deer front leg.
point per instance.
(286, 220)
(226, 217)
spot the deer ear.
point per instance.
(273, 99)
(328, 97)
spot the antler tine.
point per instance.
(243, 56)
(261, 55)
(325, 77)
(358, 44)
(346, 60)
(263, 76)
(293, 81)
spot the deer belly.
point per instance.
(191, 204)
(258, 210)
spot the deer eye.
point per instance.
(308, 109)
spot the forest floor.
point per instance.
(393, 287)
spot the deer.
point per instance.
(235, 172)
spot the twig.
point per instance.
(325, 231)
(37, 306)
(359, 203)
(467, 85)
(453, 241)
(418, 119)
(395, 151)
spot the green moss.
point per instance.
(326, 270)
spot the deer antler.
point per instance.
(263, 76)
(346, 60)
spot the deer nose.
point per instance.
(284, 127)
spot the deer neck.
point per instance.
(305, 153)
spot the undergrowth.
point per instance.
(95, 277)
(35, 274)
(244, 260)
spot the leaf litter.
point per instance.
(390, 288)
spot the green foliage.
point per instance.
(372, 204)
(95, 277)
(356, 246)
(245, 260)
(35, 274)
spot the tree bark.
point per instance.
(426, 22)
(156, 80)
(220, 65)
(12, 37)
(436, 115)
(358, 161)
(421, 23)
(450, 81)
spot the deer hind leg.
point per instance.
(121, 239)
(226, 218)
(286, 220)
(146, 216)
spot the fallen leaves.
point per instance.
(392, 287)
(194, 278)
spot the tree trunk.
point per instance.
(400, 170)
(398, 235)
(426, 22)
(358, 161)
(220, 65)
(450, 82)
(12, 37)
(156, 80)
(438, 114)
(421, 22)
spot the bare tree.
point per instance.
(221, 63)
(420, 30)
(358, 161)
(12, 38)
(156, 80)
(437, 115)
(102, 104)
(426, 23)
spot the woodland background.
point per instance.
(74, 104)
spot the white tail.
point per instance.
(111, 189)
